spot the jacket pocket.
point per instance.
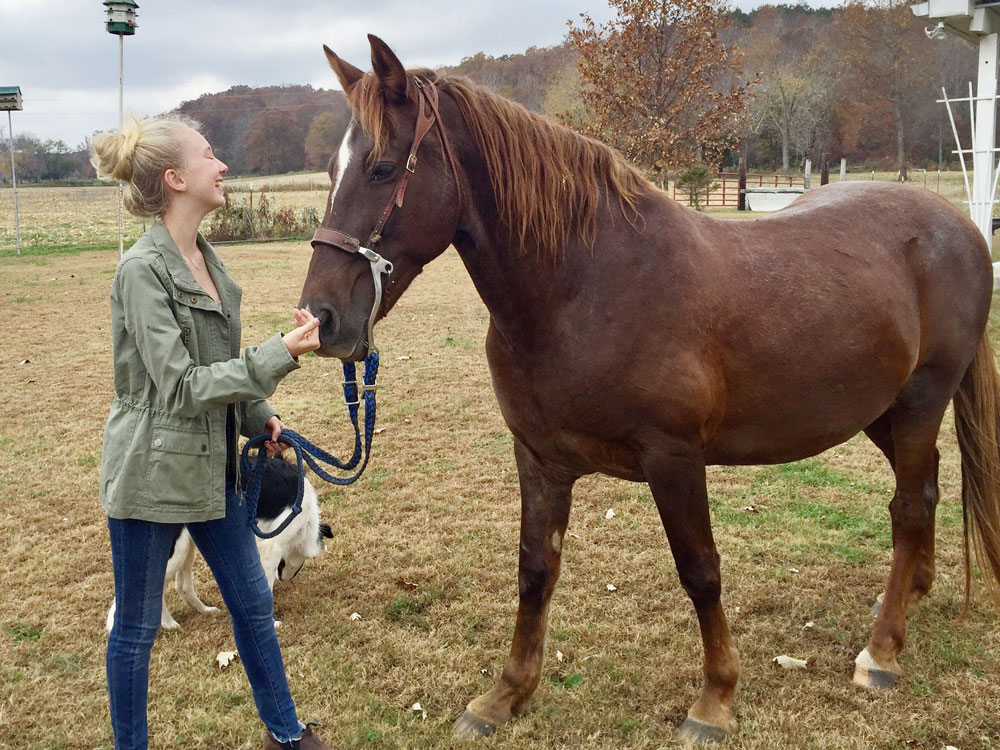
(178, 474)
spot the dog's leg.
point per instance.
(167, 621)
(184, 574)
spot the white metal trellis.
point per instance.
(980, 194)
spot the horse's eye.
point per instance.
(383, 171)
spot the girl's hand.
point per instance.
(274, 425)
(305, 338)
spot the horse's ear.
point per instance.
(388, 69)
(347, 74)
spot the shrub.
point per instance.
(236, 221)
(696, 181)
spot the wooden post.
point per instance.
(843, 169)
(808, 176)
(824, 175)
(741, 201)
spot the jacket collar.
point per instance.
(178, 269)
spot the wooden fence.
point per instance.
(725, 190)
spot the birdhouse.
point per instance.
(121, 17)
(10, 99)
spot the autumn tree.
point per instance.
(881, 52)
(325, 133)
(36, 160)
(274, 143)
(793, 98)
(661, 85)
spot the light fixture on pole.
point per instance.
(979, 22)
(121, 22)
(10, 100)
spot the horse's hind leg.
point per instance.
(880, 433)
(677, 479)
(545, 504)
(915, 423)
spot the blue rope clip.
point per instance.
(252, 471)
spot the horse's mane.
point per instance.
(547, 179)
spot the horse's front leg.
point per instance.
(545, 503)
(676, 476)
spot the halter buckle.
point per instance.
(411, 163)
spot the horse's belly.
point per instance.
(779, 429)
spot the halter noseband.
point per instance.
(427, 93)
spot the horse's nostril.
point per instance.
(329, 320)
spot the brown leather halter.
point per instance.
(427, 93)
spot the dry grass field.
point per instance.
(439, 508)
(74, 218)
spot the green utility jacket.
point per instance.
(177, 369)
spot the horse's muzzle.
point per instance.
(334, 341)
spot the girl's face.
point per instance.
(200, 171)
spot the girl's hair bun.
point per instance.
(113, 152)
(139, 155)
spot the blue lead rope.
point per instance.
(253, 471)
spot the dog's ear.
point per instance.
(325, 531)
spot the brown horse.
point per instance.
(637, 338)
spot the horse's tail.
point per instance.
(977, 423)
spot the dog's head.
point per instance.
(294, 558)
(303, 537)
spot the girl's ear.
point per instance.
(173, 180)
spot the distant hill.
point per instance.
(228, 117)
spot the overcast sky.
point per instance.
(66, 64)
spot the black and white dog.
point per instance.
(281, 556)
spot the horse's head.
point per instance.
(394, 200)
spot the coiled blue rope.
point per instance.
(253, 471)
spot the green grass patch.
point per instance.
(22, 632)
(830, 517)
(42, 250)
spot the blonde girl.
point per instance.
(184, 392)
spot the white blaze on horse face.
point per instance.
(343, 157)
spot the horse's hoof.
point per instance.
(867, 673)
(877, 679)
(693, 730)
(471, 726)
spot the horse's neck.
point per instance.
(513, 285)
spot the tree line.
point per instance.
(668, 83)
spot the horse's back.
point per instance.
(837, 301)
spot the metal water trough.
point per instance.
(772, 198)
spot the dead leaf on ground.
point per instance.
(225, 657)
(787, 662)
(406, 585)
(610, 514)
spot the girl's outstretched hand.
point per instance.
(305, 338)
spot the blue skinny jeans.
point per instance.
(139, 553)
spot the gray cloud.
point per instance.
(67, 66)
